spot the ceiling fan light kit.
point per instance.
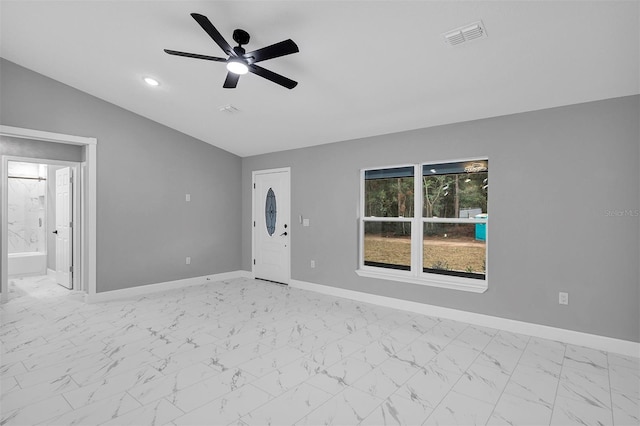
(238, 61)
(236, 66)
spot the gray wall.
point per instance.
(19, 147)
(145, 229)
(569, 166)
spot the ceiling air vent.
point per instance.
(464, 34)
(229, 109)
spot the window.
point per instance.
(389, 209)
(436, 238)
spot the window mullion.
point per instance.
(416, 226)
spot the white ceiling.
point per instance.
(364, 68)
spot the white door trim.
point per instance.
(253, 218)
(88, 205)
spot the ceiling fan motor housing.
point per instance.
(241, 36)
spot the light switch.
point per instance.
(187, 197)
(305, 222)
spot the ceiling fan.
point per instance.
(239, 62)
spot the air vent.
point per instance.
(229, 109)
(463, 34)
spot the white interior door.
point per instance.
(63, 227)
(271, 225)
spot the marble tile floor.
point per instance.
(37, 287)
(247, 352)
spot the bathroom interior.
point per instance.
(31, 195)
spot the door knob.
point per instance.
(284, 233)
(55, 232)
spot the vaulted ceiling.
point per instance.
(364, 68)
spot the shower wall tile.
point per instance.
(26, 209)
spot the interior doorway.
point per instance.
(43, 210)
(83, 251)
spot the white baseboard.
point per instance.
(51, 273)
(244, 274)
(608, 344)
(144, 290)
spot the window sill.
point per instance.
(432, 280)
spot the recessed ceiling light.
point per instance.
(151, 81)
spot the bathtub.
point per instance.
(30, 263)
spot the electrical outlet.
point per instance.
(563, 298)
(313, 263)
(187, 197)
(188, 261)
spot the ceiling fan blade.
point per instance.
(272, 76)
(194, 55)
(206, 25)
(283, 48)
(231, 81)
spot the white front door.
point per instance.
(63, 227)
(271, 225)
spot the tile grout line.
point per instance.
(509, 379)
(553, 410)
(422, 367)
(46, 421)
(610, 389)
(463, 373)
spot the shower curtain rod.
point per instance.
(25, 177)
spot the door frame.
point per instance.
(253, 218)
(85, 187)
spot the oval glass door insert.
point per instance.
(270, 212)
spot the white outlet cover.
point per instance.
(563, 298)
(188, 260)
(187, 197)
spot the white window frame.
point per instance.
(416, 275)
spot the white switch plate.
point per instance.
(563, 298)
(187, 197)
(305, 222)
(188, 260)
(313, 263)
